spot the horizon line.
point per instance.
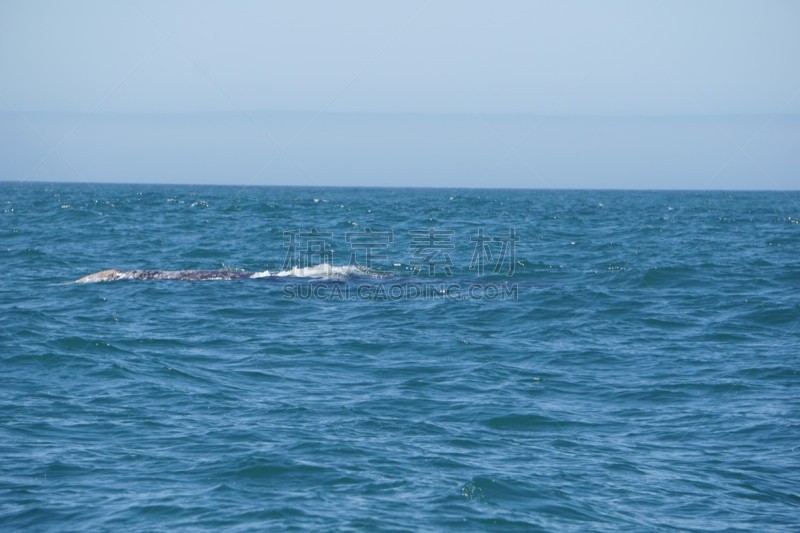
(499, 114)
(477, 188)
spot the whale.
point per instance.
(177, 275)
(321, 271)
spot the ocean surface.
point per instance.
(398, 359)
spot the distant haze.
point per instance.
(626, 94)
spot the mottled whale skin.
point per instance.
(321, 271)
(178, 275)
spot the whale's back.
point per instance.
(104, 275)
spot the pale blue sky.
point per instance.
(634, 94)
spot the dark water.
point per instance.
(636, 369)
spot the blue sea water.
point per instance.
(623, 361)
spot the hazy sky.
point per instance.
(68, 68)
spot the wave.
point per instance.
(322, 271)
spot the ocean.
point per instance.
(274, 358)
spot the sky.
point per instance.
(554, 94)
